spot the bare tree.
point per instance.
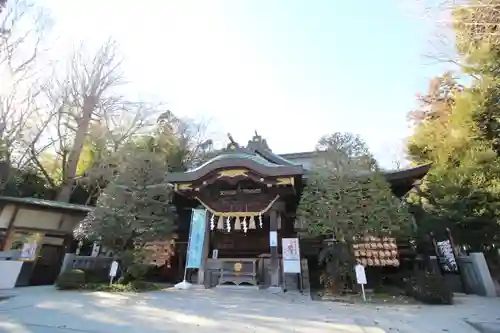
(86, 90)
(90, 121)
(110, 139)
(477, 20)
(22, 27)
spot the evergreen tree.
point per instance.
(135, 208)
(462, 190)
(347, 196)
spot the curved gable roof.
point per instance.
(236, 160)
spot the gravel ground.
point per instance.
(44, 309)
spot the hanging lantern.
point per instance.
(252, 222)
(237, 224)
(212, 222)
(220, 223)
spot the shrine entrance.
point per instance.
(250, 196)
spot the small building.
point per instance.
(48, 224)
(249, 193)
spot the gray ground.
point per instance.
(43, 310)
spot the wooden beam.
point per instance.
(10, 230)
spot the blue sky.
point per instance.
(292, 70)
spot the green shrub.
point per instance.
(144, 286)
(73, 279)
(429, 288)
(137, 271)
(96, 276)
(134, 272)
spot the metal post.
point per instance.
(363, 291)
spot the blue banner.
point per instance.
(196, 238)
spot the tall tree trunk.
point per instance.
(66, 189)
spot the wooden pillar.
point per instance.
(274, 267)
(9, 236)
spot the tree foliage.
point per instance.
(346, 195)
(462, 190)
(135, 207)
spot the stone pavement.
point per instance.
(43, 310)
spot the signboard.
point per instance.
(29, 251)
(360, 274)
(114, 269)
(95, 249)
(215, 253)
(273, 238)
(361, 278)
(196, 238)
(291, 255)
(446, 256)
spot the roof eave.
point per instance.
(50, 204)
(417, 172)
(280, 170)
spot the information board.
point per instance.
(291, 255)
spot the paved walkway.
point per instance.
(43, 310)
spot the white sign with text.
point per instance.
(291, 255)
(29, 251)
(114, 269)
(360, 274)
(361, 278)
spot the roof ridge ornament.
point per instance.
(232, 145)
(258, 142)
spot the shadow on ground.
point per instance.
(222, 310)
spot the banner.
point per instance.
(446, 257)
(196, 238)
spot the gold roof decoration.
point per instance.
(376, 251)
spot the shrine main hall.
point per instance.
(251, 195)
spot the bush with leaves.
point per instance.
(73, 279)
(429, 288)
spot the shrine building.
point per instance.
(249, 192)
